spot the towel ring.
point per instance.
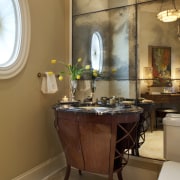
(39, 75)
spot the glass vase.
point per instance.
(73, 85)
(93, 85)
(93, 88)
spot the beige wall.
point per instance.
(27, 134)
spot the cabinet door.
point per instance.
(95, 133)
(69, 135)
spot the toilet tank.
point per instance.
(171, 125)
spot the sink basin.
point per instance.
(99, 110)
(94, 108)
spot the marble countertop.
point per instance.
(99, 110)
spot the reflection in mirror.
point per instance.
(153, 32)
(96, 52)
(116, 29)
(121, 45)
(89, 6)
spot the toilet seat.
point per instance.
(170, 170)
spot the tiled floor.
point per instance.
(153, 145)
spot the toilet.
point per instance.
(171, 124)
(170, 171)
(171, 167)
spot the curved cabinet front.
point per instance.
(96, 143)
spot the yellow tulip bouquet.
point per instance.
(102, 75)
(75, 71)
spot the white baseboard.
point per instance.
(44, 170)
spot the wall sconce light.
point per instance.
(168, 15)
(178, 31)
(148, 76)
(177, 73)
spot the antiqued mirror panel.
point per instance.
(115, 30)
(126, 49)
(89, 6)
(96, 52)
(154, 33)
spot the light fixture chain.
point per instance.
(161, 5)
(168, 15)
(174, 4)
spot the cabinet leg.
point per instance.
(80, 172)
(119, 174)
(135, 151)
(68, 170)
(110, 178)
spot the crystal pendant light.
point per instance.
(168, 15)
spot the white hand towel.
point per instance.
(49, 84)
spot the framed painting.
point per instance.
(160, 60)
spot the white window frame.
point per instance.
(13, 69)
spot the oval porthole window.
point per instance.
(14, 36)
(96, 51)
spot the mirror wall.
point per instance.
(115, 24)
(152, 32)
(127, 28)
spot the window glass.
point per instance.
(14, 30)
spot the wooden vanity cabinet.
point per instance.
(96, 143)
